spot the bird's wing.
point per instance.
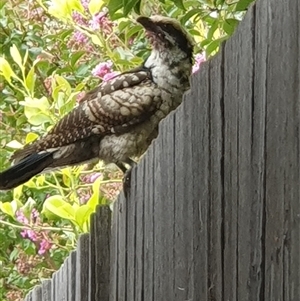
(116, 105)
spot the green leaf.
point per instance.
(17, 192)
(96, 40)
(15, 54)
(7, 208)
(31, 137)
(6, 70)
(128, 5)
(56, 205)
(243, 5)
(113, 6)
(133, 30)
(30, 80)
(229, 26)
(190, 14)
(95, 198)
(212, 29)
(82, 215)
(76, 56)
(95, 6)
(212, 46)
(14, 144)
(179, 3)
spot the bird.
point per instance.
(117, 120)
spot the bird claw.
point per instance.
(127, 183)
(127, 179)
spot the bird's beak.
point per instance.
(148, 24)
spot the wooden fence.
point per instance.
(214, 209)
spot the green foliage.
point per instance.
(53, 51)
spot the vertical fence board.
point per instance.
(231, 107)
(71, 269)
(139, 226)
(200, 172)
(184, 203)
(114, 272)
(82, 268)
(102, 224)
(93, 246)
(216, 180)
(244, 99)
(164, 212)
(282, 165)
(121, 214)
(46, 290)
(149, 231)
(54, 287)
(37, 293)
(131, 238)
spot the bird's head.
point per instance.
(165, 33)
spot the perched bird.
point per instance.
(117, 120)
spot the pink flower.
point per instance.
(102, 69)
(95, 176)
(45, 245)
(34, 213)
(32, 235)
(110, 75)
(101, 21)
(98, 21)
(85, 3)
(79, 38)
(21, 217)
(199, 58)
(79, 19)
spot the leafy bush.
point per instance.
(52, 52)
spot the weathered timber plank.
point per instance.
(164, 212)
(139, 228)
(82, 268)
(102, 238)
(64, 281)
(71, 270)
(114, 276)
(149, 231)
(231, 157)
(183, 184)
(37, 293)
(131, 238)
(247, 239)
(216, 180)
(46, 290)
(54, 287)
(29, 296)
(93, 249)
(200, 174)
(121, 214)
(282, 148)
(258, 154)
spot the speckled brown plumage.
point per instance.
(119, 119)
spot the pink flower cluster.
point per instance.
(86, 193)
(104, 71)
(199, 59)
(99, 21)
(40, 238)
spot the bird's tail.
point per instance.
(25, 169)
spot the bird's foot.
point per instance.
(127, 177)
(127, 182)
